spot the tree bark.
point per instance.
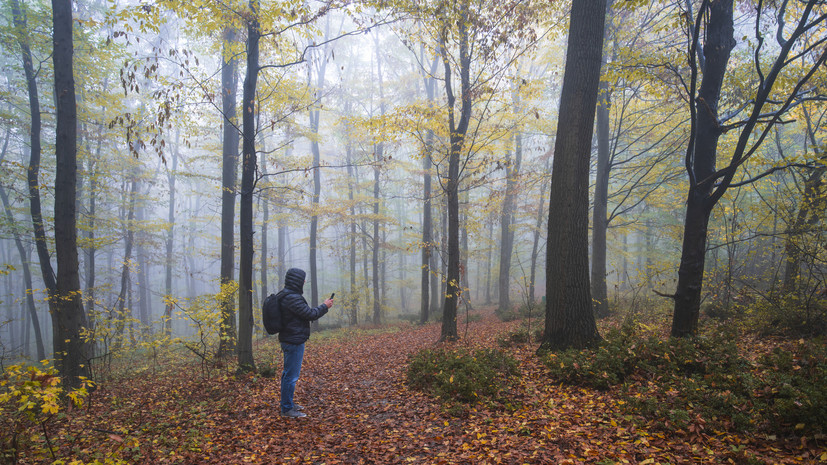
(71, 350)
(427, 222)
(720, 42)
(458, 129)
(536, 242)
(170, 239)
(27, 278)
(229, 173)
(601, 197)
(248, 173)
(569, 319)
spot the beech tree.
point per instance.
(71, 350)
(779, 84)
(569, 321)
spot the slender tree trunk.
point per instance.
(811, 208)
(27, 276)
(122, 311)
(229, 173)
(91, 250)
(317, 183)
(536, 242)
(144, 309)
(354, 297)
(33, 171)
(427, 222)
(248, 173)
(569, 319)
(264, 205)
(24, 261)
(458, 130)
(601, 195)
(488, 263)
(719, 44)
(600, 221)
(170, 239)
(379, 151)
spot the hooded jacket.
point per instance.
(296, 314)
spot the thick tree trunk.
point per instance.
(229, 173)
(569, 318)
(71, 350)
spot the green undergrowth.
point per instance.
(693, 384)
(460, 377)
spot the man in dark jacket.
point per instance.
(296, 316)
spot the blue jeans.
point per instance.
(293, 355)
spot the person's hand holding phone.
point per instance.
(329, 302)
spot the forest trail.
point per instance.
(360, 411)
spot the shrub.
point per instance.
(793, 387)
(685, 382)
(461, 374)
(520, 313)
(789, 315)
(31, 396)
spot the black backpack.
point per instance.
(271, 313)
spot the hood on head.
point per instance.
(294, 280)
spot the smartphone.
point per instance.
(331, 296)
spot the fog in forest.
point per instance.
(354, 105)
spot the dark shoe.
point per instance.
(293, 413)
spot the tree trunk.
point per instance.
(71, 351)
(27, 276)
(170, 239)
(33, 171)
(264, 207)
(144, 309)
(379, 154)
(601, 197)
(317, 182)
(427, 226)
(536, 242)
(811, 208)
(458, 130)
(353, 298)
(122, 311)
(719, 44)
(248, 173)
(229, 173)
(569, 318)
